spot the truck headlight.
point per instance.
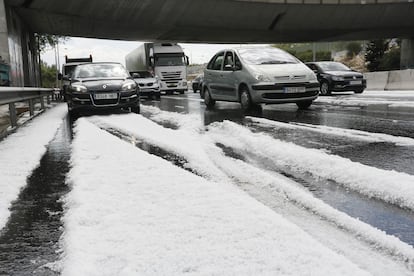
(129, 85)
(79, 88)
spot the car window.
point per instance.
(100, 70)
(333, 66)
(228, 59)
(237, 63)
(218, 61)
(312, 66)
(268, 55)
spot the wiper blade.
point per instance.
(275, 62)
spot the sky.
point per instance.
(116, 50)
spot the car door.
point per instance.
(212, 75)
(228, 82)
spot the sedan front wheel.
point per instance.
(325, 90)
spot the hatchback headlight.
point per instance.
(337, 78)
(79, 88)
(261, 77)
(312, 77)
(129, 86)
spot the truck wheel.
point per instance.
(182, 92)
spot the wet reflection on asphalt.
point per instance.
(29, 241)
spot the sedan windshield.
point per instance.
(266, 56)
(333, 66)
(100, 70)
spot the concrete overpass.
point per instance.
(240, 21)
(220, 20)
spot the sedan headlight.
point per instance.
(79, 88)
(337, 78)
(129, 85)
(261, 77)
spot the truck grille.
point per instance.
(171, 75)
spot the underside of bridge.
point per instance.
(226, 21)
(212, 21)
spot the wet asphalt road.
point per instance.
(373, 118)
(30, 238)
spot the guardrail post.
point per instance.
(48, 99)
(13, 115)
(31, 107)
(42, 103)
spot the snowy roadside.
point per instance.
(390, 186)
(159, 219)
(334, 131)
(355, 101)
(21, 152)
(196, 141)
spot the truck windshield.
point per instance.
(169, 60)
(68, 69)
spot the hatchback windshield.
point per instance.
(101, 70)
(266, 56)
(333, 66)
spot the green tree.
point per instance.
(307, 56)
(353, 49)
(391, 59)
(46, 40)
(48, 74)
(374, 52)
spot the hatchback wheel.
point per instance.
(325, 91)
(245, 99)
(207, 99)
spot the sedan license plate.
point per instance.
(300, 89)
(355, 82)
(106, 96)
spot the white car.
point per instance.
(149, 85)
(258, 75)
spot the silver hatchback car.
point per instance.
(256, 75)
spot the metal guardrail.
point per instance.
(13, 95)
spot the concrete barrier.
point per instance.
(390, 80)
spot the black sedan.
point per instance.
(197, 83)
(336, 77)
(102, 86)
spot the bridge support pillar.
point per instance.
(4, 35)
(407, 54)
